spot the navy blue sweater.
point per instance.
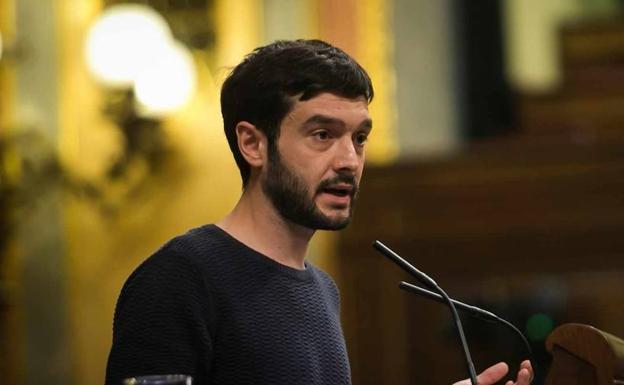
(207, 305)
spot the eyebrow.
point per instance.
(328, 120)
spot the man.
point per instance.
(236, 302)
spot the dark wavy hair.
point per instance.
(261, 88)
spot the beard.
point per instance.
(291, 197)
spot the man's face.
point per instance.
(313, 175)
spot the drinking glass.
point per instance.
(164, 379)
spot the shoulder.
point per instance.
(321, 275)
(326, 282)
(193, 250)
(196, 243)
(171, 280)
(179, 263)
(203, 258)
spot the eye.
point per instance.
(322, 135)
(361, 138)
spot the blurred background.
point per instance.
(496, 165)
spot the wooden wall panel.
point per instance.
(505, 216)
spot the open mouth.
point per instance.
(338, 191)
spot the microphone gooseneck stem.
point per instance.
(526, 342)
(472, 310)
(428, 281)
(471, 369)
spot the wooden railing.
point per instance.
(584, 355)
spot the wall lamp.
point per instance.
(130, 50)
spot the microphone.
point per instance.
(428, 281)
(473, 311)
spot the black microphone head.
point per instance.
(394, 257)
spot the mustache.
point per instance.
(339, 179)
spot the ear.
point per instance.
(252, 143)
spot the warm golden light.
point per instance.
(123, 41)
(168, 83)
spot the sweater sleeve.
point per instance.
(163, 321)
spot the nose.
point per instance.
(346, 157)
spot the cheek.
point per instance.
(360, 171)
(310, 167)
(314, 176)
(309, 172)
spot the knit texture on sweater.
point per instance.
(207, 305)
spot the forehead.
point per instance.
(353, 111)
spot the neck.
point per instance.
(255, 222)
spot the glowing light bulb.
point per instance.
(124, 39)
(168, 83)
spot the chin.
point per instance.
(335, 222)
(334, 225)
